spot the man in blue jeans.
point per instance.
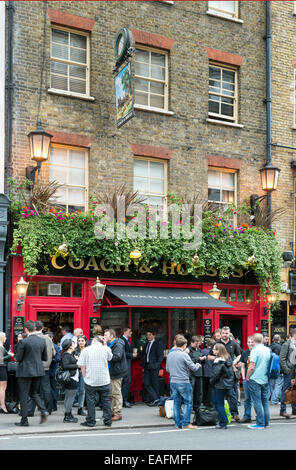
(258, 383)
(178, 365)
(245, 360)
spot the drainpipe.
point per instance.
(268, 93)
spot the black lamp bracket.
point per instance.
(31, 171)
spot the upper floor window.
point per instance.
(69, 166)
(221, 187)
(225, 9)
(69, 65)
(150, 180)
(223, 93)
(151, 79)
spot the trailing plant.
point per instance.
(40, 230)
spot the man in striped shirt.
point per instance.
(93, 362)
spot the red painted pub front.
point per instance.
(63, 295)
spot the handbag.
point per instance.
(11, 367)
(290, 396)
(205, 416)
(62, 376)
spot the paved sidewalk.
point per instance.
(139, 416)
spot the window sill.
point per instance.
(234, 20)
(53, 91)
(153, 110)
(225, 123)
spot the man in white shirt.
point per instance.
(93, 362)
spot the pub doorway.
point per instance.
(54, 321)
(235, 325)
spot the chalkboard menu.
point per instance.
(207, 326)
(264, 327)
(17, 328)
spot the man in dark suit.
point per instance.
(152, 357)
(126, 382)
(30, 354)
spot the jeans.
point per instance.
(91, 394)
(182, 392)
(286, 385)
(80, 394)
(233, 399)
(276, 389)
(218, 400)
(260, 396)
(248, 401)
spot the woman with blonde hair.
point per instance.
(4, 357)
(222, 381)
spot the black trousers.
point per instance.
(196, 383)
(91, 394)
(30, 386)
(207, 392)
(126, 383)
(151, 384)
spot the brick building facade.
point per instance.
(200, 115)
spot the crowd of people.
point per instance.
(202, 371)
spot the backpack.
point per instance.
(274, 369)
(205, 416)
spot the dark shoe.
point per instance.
(85, 423)
(80, 412)
(153, 403)
(126, 404)
(245, 420)
(3, 411)
(293, 412)
(220, 427)
(107, 425)
(236, 418)
(69, 418)
(284, 414)
(44, 417)
(22, 423)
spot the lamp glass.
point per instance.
(22, 287)
(269, 177)
(215, 292)
(39, 144)
(271, 297)
(98, 289)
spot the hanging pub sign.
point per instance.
(123, 95)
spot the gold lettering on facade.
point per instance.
(239, 273)
(92, 264)
(183, 272)
(145, 269)
(103, 266)
(212, 272)
(171, 267)
(72, 265)
(54, 263)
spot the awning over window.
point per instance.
(166, 297)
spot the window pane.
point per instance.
(223, 295)
(157, 88)
(78, 55)
(32, 288)
(214, 178)
(232, 295)
(141, 184)
(140, 168)
(144, 320)
(214, 107)
(229, 6)
(59, 68)
(59, 82)
(77, 72)
(58, 173)
(141, 98)
(228, 76)
(227, 110)
(76, 196)
(60, 195)
(249, 296)
(58, 156)
(59, 51)
(215, 73)
(157, 186)
(78, 86)
(77, 158)
(142, 69)
(228, 196)
(142, 56)
(157, 101)
(77, 40)
(77, 176)
(156, 170)
(183, 321)
(214, 194)
(77, 290)
(141, 85)
(60, 37)
(240, 295)
(158, 59)
(157, 72)
(115, 318)
(156, 201)
(228, 180)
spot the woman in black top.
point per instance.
(4, 357)
(69, 362)
(80, 395)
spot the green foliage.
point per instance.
(223, 246)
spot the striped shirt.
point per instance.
(95, 359)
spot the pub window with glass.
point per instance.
(69, 166)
